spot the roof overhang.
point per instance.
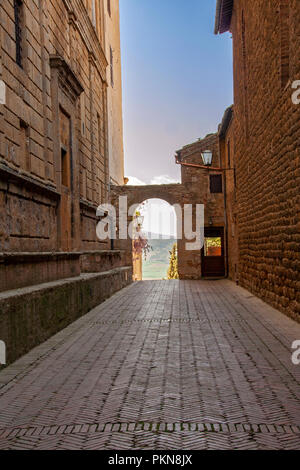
(225, 122)
(223, 16)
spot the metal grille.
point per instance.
(18, 5)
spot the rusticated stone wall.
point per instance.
(56, 101)
(266, 45)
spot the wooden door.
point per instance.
(213, 253)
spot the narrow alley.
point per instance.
(160, 365)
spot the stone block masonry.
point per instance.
(54, 166)
(265, 142)
(31, 315)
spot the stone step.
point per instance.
(19, 270)
(26, 269)
(102, 260)
(31, 315)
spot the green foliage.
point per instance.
(157, 263)
(214, 242)
(173, 267)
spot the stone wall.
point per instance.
(266, 45)
(31, 315)
(227, 156)
(26, 269)
(54, 168)
(60, 87)
(195, 189)
(114, 93)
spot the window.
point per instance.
(25, 146)
(82, 113)
(99, 132)
(213, 246)
(111, 67)
(216, 184)
(65, 148)
(19, 13)
(109, 7)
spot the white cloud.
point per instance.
(159, 218)
(133, 181)
(163, 179)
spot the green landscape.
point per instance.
(157, 263)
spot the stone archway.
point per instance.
(189, 262)
(154, 239)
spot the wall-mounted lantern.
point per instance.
(207, 157)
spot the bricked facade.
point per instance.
(114, 92)
(55, 104)
(266, 135)
(227, 157)
(54, 161)
(194, 189)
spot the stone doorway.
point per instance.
(213, 253)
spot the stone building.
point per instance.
(55, 137)
(264, 136)
(114, 92)
(200, 185)
(205, 185)
(227, 158)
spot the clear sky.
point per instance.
(177, 81)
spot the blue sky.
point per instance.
(177, 81)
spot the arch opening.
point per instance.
(155, 241)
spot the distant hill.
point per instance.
(157, 263)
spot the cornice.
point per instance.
(66, 75)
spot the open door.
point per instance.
(213, 252)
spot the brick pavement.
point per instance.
(160, 365)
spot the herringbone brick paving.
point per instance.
(160, 365)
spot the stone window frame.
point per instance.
(66, 90)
